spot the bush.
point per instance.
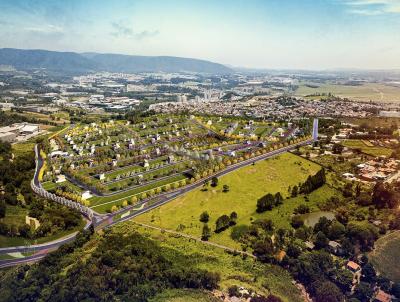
(204, 217)
(239, 231)
(222, 223)
(297, 221)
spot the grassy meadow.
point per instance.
(246, 185)
(371, 150)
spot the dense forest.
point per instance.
(15, 178)
(108, 267)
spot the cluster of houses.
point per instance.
(272, 107)
(336, 249)
(378, 169)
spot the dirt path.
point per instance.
(195, 238)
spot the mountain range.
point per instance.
(72, 62)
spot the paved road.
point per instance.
(166, 197)
(105, 221)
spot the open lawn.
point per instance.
(247, 185)
(374, 151)
(386, 254)
(234, 270)
(366, 92)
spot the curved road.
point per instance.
(105, 221)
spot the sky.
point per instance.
(286, 34)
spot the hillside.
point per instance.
(74, 62)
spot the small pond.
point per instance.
(310, 219)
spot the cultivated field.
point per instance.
(386, 254)
(246, 186)
(374, 150)
(366, 92)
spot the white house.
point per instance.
(86, 195)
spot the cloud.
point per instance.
(373, 7)
(45, 29)
(120, 30)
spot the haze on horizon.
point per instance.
(298, 34)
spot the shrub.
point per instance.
(204, 217)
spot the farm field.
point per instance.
(246, 185)
(263, 278)
(373, 120)
(366, 92)
(386, 254)
(374, 150)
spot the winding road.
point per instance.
(105, 221)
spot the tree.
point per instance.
(239, 231)
(206, 233)
(326, 291)
(233, 291)
(337, 149)
(214, 181)
(278, 198)
(363, 291)
(225, 188)
(322, 225)
(265, 203)
(264, 250)
(383, 196)
(297, 221)
(222, 223)
(294, 191)
(2, 209)
(368, 273)
(336, 230)
(204, 217)
(302, 209)
(293, 250)
(24, 230)
(343, 279)
(321, 241)
(396, 290)
(233, 217)
(134, 200)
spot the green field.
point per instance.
(246, 186)
(14, 215)
(234, 270)
(23, 148)
(374, 151)
(386, 254)
(184, 295)
(366, 92)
